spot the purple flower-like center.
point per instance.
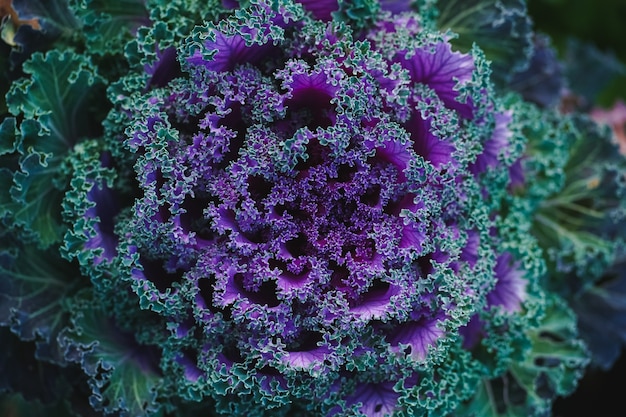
(312, 205)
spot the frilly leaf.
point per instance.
(34, 288)
(123, 374)
(357, 13)
(579, 226)
(547, 136)
(173, 21)
(551, 367)
(31, 200)
(570, 182)
(109, 25)
(65, 94)
(89, 207)
(57, 103)
(30, 182)
(556, 360)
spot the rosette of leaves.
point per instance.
(295, 210)
(315, 221)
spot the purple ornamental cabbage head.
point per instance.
(313, 222)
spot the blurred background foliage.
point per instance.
(601, 23)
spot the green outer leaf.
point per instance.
(485, 403)
(553, 360)
(58, 103)
(30, 194)
(65, 94)
(124, 375)
(34, 288)
(580, 226)
(37, 199)
(557, 357)
(573, 191)
(110, 24)
(8, 137)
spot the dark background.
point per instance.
(601, 22)
(598, 394)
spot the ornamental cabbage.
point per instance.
(308, 204)
(277, 208)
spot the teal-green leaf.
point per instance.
(485, 403)
(110, 24)
(29, 184)
(557, 358)
(581, 227)
(36, 200)
(65, 94)
(61, 103)
(8, 137)
(124, 375)
(34, 287)
(552, 364)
